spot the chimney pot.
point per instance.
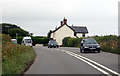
(65, 20)
(61, 22)
(72, 25)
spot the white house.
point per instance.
(68, 31)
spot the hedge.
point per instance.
(71, 42)
(36, 40)
(108, 43)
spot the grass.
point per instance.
(15, 58)
(110, 46)
(109, 43)
(0, 54)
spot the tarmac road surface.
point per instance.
(68, 60)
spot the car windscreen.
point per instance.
(28, 41)
(90, 41)
(53, 42)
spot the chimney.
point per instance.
(64, 21)
(72, 25)
(55, 27)
(61, 22)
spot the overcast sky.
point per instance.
(40, 16)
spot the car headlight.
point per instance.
(98, 46)
(86, 47)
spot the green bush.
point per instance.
(39, 40)
(106, 38)
(71, 42)
(65, 42)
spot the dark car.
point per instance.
(53, 43)
(89, 45)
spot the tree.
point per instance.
(6, 27)
(49, 34)
(30, 34)
(20, 32)
(12, 29)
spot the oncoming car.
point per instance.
(53, 43)
(89, 45)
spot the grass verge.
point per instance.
(15, 58)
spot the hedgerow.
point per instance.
(108, 43)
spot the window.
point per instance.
(83, 35)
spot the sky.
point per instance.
(39, 16)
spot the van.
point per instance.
(27, 41)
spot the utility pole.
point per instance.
(16, 36)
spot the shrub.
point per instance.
(65, 41)
(5, 38)
(39, 40)
(71, 42)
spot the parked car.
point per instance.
(14, 41)
(53, 43)
(27, 41)
(89, 45)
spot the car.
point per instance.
(27, 41)
(89, 45)
(14, 41)
(53, 43)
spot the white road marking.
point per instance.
(104, 72)
(97, 64)
(84, 59)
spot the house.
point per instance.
(68, 31)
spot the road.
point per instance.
(68, 60)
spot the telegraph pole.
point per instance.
(16, 36)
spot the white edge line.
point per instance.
(89, 63)
(96, 63)
(93, 62)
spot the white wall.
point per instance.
(86, 35)
(51, 35)
(63, 32)
(80, 35)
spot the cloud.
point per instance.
(48, 14)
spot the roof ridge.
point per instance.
(77, 26)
